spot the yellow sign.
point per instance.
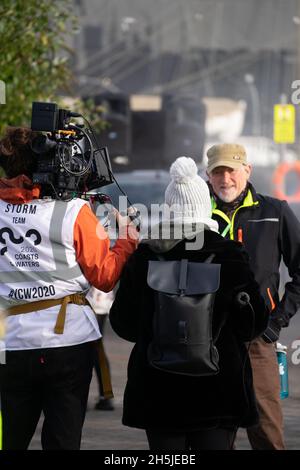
(284, 123)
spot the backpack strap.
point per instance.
(183, 276)
(182, 273)
(210, 258)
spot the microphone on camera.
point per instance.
(242, 299)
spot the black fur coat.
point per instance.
(158, 400)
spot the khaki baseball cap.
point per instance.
(231, 155)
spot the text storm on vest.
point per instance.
(21, 208)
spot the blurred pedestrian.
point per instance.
(181, 412)
(270, 232)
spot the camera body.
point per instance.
(69, 162)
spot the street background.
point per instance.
(165, 78)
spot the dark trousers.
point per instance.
(206, 439)
(55, 381)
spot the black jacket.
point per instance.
(270, 232)
(156, 399)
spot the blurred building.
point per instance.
(186, 52)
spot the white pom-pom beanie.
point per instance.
(187, 192)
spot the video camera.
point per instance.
(69, 162)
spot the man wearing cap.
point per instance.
(270, 231)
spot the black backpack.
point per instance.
(182, 323)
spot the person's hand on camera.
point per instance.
(128, 224)
(135, 217)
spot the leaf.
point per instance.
(44, 39)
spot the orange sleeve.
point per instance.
(101, 265)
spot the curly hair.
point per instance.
(16, 155)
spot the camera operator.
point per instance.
(51, 251)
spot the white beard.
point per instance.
(228, 196)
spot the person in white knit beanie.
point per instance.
(180, 411)
(187, 195)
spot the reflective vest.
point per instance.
(37, 255)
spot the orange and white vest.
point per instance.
(38, 262)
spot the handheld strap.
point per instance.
(210, 258)
(104, 370)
